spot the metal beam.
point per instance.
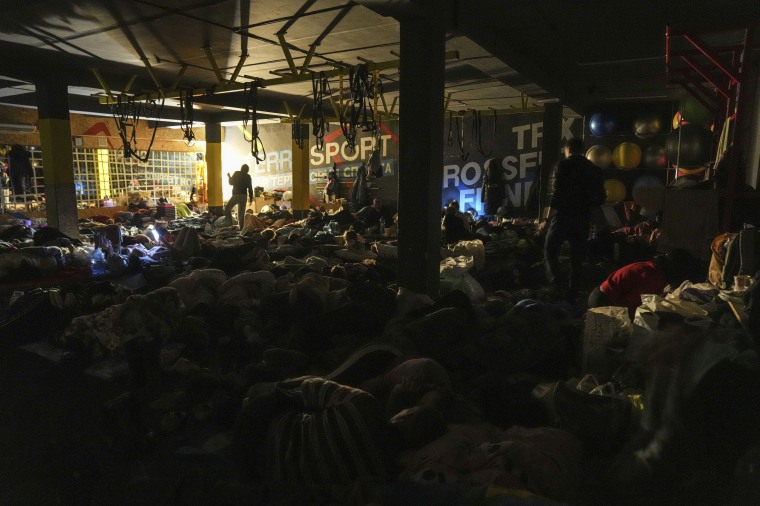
(214, 66)
(704, 73)
(265, 83)
(153, 76)
(291, 116)
(699, 45)
(393, 105)
(102, 82)
(294, 16)
(329, 28)
(239, 67)
(177, 79)
(129, 84)
(446, 103)
(286, 51)
(300, 12)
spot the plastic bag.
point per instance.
(605, 335)
(456, 267)
(472, 288)
(673, 305)
(474, 248)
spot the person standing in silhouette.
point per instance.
(241, 184)
(494, 191)
(19, 170)
(570, 214)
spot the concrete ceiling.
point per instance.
(512, 55)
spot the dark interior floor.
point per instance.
(51, 433)
(57, 441)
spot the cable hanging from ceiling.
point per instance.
(127, 113)
(477, 132)
(346, 116)
(321, 89)
(450, 137)
(251, 92)
(359, 112)
(460, 139)
(186, 116)
(375, 86)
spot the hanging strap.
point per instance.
(478, 133)
(186, 115)
(251, 93)
(450, 139)
(127, 113)
(460, 140)
(321, 88)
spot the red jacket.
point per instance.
(625, 286)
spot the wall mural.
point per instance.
(515, 141)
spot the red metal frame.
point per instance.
(725, 80)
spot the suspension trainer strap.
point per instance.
(251, 99)
(186, 115)
(127, 113)
(450, 139)
(460, 140)
(321, 88)
(348, 115)
(479, 128)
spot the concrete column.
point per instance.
(300, 170)
(551, 145)
(214, 168)
(57, 160)
(421, 151)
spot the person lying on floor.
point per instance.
(355, 250)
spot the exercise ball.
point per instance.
(626, 155)
(649, 192)
(688, 147)
(677, 121)
(615, 190)
(655, 158)
(698, 171)
(600, 155)
(647, 124)
(694, 112)
(602, 123)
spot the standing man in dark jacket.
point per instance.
(570, 213)
(20, 170)
(494, 190)
(241, 183)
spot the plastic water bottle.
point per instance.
(382, 225)
(98, 260)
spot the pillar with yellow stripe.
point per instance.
(57, 160)
(300, 146)
(214, 168)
